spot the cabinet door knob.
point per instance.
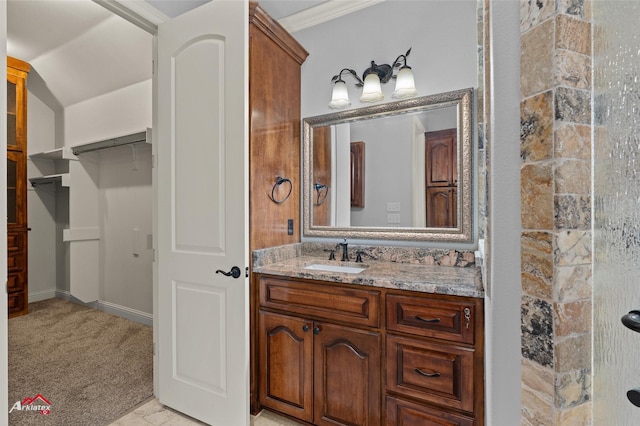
(316, 330)
(305, 328)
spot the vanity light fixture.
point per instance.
(373, 77)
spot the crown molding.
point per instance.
(323, 12)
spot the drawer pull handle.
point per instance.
(422, 373)
(432, 320)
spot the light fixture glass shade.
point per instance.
(405, 85)
(339, 96)
(371, 92)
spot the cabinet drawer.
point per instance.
(15, 281)
(441, 374)
(16, 302)
(401, 412)
(437, 318)
(16, 261)
(321, 301)
(15, 241)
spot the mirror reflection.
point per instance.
(393, 168)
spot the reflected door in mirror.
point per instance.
(441, 178)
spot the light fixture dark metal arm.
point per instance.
(351, 72)
(396, 63)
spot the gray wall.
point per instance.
(442, 35)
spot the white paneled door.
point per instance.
(202, 213)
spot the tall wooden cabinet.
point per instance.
(275, 58)
(441, 178)
(17, 288)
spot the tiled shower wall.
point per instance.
(555, 138)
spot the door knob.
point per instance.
(632, 321)
(634, 396)
(234, 272)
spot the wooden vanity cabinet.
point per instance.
(337, 354)
(315, 363)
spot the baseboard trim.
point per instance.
(110, 308)
(124, 312)
(63, 294)
(42, 295)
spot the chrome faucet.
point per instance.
(345, 252)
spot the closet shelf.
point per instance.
(54, 154)
(110, 143)
(63, 178)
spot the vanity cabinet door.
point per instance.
(347, 384)
(286, 364)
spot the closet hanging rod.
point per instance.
(110, 143)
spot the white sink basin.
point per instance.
(335, 268)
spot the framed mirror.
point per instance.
(395, 171)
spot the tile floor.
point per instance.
(153, 413)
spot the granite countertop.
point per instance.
(451, 280)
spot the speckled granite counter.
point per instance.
(290, 261)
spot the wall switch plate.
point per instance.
(290, 226)
(393, 206)
(393, 218)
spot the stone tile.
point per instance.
(537, 331)
(532, 12)
(572, 141)
(268, 418)
(572, 388)
(576, 416)
(572, 283)
(573, 34)
(572, 318)
(572, 353)
(573, 7)
(536, 195)
(536, 409)
(572, 211)
(536, 260)
(573, 105)
(536, 127)
(538, 380)
(536, 57)
(572, 248)
(572, 69)
(572, 177)
(154, 413)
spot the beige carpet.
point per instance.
(91, 367)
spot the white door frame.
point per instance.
(4, 321)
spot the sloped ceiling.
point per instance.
(79, 50)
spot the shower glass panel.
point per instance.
(616, 214)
